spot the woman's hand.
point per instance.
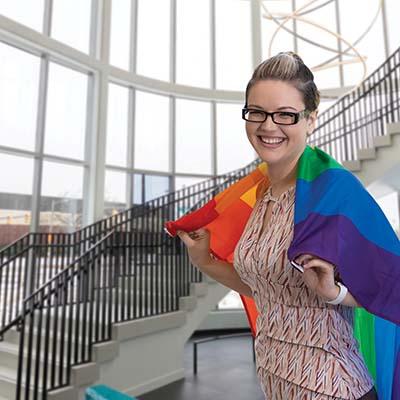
(319, 276)
(198, 246)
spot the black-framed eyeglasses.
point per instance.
(279, 117)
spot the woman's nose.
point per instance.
(268, 124)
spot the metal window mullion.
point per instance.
(295, 39)
(172, 102)
(94, 22)
(214, 155)
(39, 143)
(47, 17)
(172, 47)
(133, 37)
(172, 136)
(99, 107)
(339, 44)
(385, 30)
(40, 124)
(256, 32)
(130, 178)
(89, 146)
(90, 115)
(213, 51)
(131, 147)
(213, 105)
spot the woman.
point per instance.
(304, 344)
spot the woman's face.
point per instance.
(275, 95)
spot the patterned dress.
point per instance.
(304, 347)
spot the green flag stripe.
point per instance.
(315, 165)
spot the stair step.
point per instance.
(64, 393)
(366, 154)
(393, 128)
(9, 355)
(352, 165)
(8, 379)
(382, 141)
(187, 303)
(198, 289)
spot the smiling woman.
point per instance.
(278, 122)
(304, 343)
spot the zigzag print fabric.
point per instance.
(304, 347)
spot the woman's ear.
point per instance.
(311, 122)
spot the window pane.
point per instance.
(114, 192)
(231, 301)
(61, 199)
(120, 33)
(138, 189)
(182, 182)
(283, 41)
(392, 16)
(152, 139)
(71, 23)
(153, 44)
(193, 137)
(19, 82)
(313, 55)
(155, 186)
(370, 46)
(233, 44)
(117, 125)
(193, 26)
(324, 105)
(233, 148)
(27, 12)
(15, 197)
(66, 112)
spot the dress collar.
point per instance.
(281, 197)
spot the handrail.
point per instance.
(376, 101)
(70, 291)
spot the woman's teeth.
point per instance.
(271, 140)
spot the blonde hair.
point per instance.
(289, 67)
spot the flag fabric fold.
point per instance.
(335, 219)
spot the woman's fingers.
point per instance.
(303, 258)
(185, 237)
(320, 264)
(190, 237)
(309, 261)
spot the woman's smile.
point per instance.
(271, 142)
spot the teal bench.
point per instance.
(102, 392)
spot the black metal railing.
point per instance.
(34, 259)
(355, 119)
(126, 275)
(31, 261)
(61, 321)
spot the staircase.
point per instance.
(376, 165)
(133, 347)
(71, 303)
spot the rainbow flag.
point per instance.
(337, 220)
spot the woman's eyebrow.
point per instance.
(278, 109)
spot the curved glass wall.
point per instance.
(138, 97)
